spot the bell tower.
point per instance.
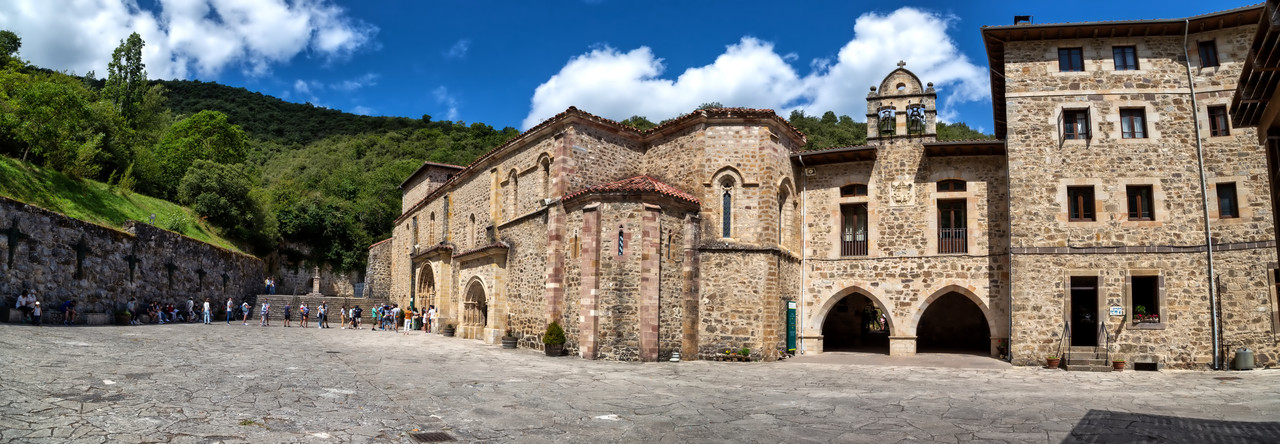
(901, 108)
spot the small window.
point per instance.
(1133, 123)
(1126, 58)
(1145, 298)
(1075, 124)
(853, 236)
(1208, 54)
(1228, 206)
(1070, 59)
(575, 249)
(853, 190)
(1218, 126)
(1140, 203)
(950, 185)
(1080, 204)
(621, 242)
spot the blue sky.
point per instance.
(516, 63)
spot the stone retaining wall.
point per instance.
(101, 267)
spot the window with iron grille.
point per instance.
(1133, 123)
(1140, 202)
(1070, 59)
(1080, 204)
(853, 230)
(1126, 58)
(1228, 206)
(1218, 125)
(952, 227)
(853, 190)
(1075, 124)
(1208, 54)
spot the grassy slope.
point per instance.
(95, 202)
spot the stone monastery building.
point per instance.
(1084, 230)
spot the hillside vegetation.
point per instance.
(256, 170)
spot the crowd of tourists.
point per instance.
(29, 305)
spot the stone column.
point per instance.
(588, 318)
(650, 232)
(689, 274)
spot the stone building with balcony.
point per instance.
(1091, 226)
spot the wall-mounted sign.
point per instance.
(1117, 310)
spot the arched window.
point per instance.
(513, 200)
(888, 122)
(575, 249)
(544, 171)
(726, 208)
(950, 185)
(915, 120)
(471, 234)
(852, 190)
(621, 241)
(431, 229)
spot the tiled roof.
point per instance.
(638, 184)
(380, 242)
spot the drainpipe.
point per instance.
(1008, 175)
(1204, 200)
(804, 248)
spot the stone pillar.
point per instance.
(588, 317)
(556, 221)
(650, 234)
(315, 283)
(812, 344)
(902, 346)
(689, 274)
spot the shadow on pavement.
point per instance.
(1106, 426)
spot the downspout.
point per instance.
(804, 248)
(1204, 198)
(1008, 210)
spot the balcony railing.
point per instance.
(953, 240)
(851, 247)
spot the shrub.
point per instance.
(554, 335)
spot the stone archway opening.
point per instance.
(953, 324)
(856, 324)
(475, 314)
(426, 291)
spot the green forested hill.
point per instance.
(272, 119)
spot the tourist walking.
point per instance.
(132, 308)
(287, 309)
(355, 317)
(431, 313)
(409, 315)
(266, 314)
(303, 313)
(244, 308)
(191, 310)
(343, 324)
(35, 314)
(322, 318)
(426, 321)
(231, 309)
(208, 312)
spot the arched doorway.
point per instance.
(953, 323)
(855, 323)
(425, 292)
(475, 310)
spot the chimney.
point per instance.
(1022, 20)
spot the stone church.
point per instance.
(1090, 226)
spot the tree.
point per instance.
(127, 77)
(710, 105)
(204, 136)
(639, 122)
(218, 192)
(10, 43)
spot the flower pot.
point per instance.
(553, 349)
(509, 342)
(1117, 365)
(448, 331)
(1052, 362)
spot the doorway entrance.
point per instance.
(855, 324)
(953, 324)
(1084, 311)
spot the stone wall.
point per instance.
(101, 268)
(377, 275)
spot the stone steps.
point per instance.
(1085, 359)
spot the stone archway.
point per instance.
(854, 320)
(953, 321)
(425, 293)
(475, 311)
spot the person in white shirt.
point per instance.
(208, 312)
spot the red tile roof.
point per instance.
(379, 242)
(638, 184)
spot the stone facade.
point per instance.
(377, 276)
(1094, 270)
(694, 236)
(101, 268)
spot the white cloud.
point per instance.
(369, 79)
(458, 50)
(183, 37)
(448, 100)
(750, 73)
(362, 110)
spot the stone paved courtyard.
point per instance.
(220, 383)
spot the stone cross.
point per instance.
(14, 235)
(315, 284)
(901, 63)
(200, 283)
(225, 280)
(133, 261)
(82, 248)
(171, 267)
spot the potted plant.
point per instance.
(1117, 364)
(509, 339)
(553, 340)
(448, 329)
(122, 317)
(1052, 361)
